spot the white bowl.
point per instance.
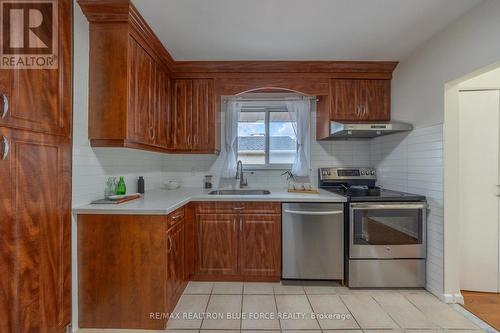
(172, 184)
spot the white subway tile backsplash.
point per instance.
(413, 162)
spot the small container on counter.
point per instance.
(121, 188)
(140, 185)
(207, 182)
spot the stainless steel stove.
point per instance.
(385, 230)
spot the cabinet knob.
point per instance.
(6, 147)
(5, 102)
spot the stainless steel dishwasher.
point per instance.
(313, 241)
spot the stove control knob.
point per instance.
(362, 173)
(373, 173)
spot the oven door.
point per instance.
(387, 230)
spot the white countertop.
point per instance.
(162, 201)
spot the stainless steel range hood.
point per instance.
(346, 130)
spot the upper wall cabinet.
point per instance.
(129, 91)
(360, 100)
(193, 116)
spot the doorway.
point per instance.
(479, 194)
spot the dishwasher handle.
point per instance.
(308, 212)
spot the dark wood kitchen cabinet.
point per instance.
(217, 244)
(35, 183)
(137, 274)
(238, 241)
(176, 278)
(35, 231)
(360, 100)
(260, 245)
(193, 116)
(129, 91)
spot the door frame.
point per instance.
(451, 187)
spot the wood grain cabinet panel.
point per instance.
(344, 99)
(377, 97)
(194, 127)
(37, 98)
(217, 244)
(236, 241)
(142, 95)
(203, 115)
(122, 275)
(175, 262)
(181, 115)
(360, 100)
(35, 195)
(35, 264)
(260, 245)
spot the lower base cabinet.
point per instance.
(130, 270)
(238, 241)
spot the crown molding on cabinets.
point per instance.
(123, 11)
(284, 67)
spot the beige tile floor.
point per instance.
(228, 307)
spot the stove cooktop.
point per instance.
(343, 181)
(384, 195)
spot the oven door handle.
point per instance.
(307, 212)
(388, 206)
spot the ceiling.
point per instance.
(297, 29)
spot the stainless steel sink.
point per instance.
(239, 192)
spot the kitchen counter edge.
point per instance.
(163, 202)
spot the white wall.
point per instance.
(466, 45)
(418, 96)
(91, 167)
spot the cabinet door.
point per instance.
(181, 115)
(203, 115)
(35, 255)
(162, 107)
(175, 261)
(344, 95)
(217, 241)
(141, 112)
(36, 97)
(259, 244)
(376, 100)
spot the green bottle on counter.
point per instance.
(120, 187)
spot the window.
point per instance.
(266, 137)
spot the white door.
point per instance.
(479, 116)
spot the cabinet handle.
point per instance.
(234, 225)
(241, 225)
(152, 133)
(189, 140)
(5, 105)
(6, 147)
(364, 111)
(169, 244)
(237, 208)
(358, 111)
(195, 139)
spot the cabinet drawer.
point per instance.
(233, 207)
(175, 217)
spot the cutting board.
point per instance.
(116, 202)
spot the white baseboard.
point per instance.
(453, 298)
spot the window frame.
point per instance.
(267, 165)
